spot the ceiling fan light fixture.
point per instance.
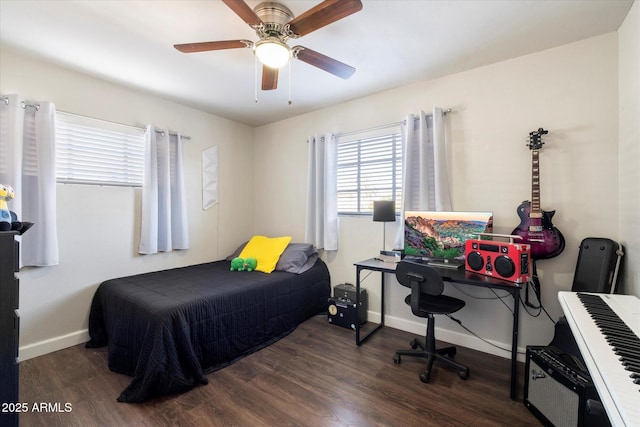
(272, 52)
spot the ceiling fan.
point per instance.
(274, 25)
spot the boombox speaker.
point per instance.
(506, 261)
(559, 395)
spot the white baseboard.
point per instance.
(53, 344)
(415, 327)
(452, 337)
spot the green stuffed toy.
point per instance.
(239, 264)
(250, 264)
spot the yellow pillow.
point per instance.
(266, 251)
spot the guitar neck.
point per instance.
(536, 211)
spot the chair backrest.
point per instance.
(430, 280)
(422, 280)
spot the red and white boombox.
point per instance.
(507, 261)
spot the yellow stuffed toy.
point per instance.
(8, 219)
(6, 194)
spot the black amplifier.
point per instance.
(342, 306)
(559, 394)
(348, 291)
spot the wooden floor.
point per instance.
(316, 376)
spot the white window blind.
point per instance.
(369, 169)
(93, 151)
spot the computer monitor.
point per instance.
(441, 236)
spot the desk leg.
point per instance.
(357, 316)
(514, 345)
(382, 298)
(358, 270)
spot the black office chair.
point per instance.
(426, 300)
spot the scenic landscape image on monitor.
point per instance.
(442, 235)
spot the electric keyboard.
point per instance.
(607, 330)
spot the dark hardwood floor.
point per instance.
(316, 376)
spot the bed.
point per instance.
(169, 329)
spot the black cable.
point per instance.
(458, 321)
(539, 307)
(369, 272)
(502, 301)
(535, 284)
(496, 296)
(525, 303)
(526, 306)
(548, 315)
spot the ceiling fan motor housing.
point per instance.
(275, 17)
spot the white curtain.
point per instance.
(425, 180)
(322, 204)
(27, 163)
(164, 225)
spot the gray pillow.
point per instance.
(297, 258)
(311, 261)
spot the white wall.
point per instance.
(572, 91)
(99, 226)
(629, 149)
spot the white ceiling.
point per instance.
(390, 43)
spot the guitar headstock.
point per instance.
(535, 139)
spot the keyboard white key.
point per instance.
(619, 394)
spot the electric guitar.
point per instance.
(536, 228)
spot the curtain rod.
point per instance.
(388, 125)
(161, 132)
(122, 124)
(25, 104)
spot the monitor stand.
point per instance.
(453, 264)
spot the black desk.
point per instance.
(448, 275)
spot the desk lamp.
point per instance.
(384, 211)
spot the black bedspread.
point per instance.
(168, 329)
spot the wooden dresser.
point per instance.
(9, 328)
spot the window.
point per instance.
(92, 151)
(369, 169)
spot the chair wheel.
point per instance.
(396, 359)
(424, 377)
(464, 374)
(414, 344)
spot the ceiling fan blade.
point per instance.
(245, 12)
(269, 78)
(323, 62)
(206, 46)
(323, 14)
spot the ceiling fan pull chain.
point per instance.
(255, 78)
(290, 83)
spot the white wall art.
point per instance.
(209, 177)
